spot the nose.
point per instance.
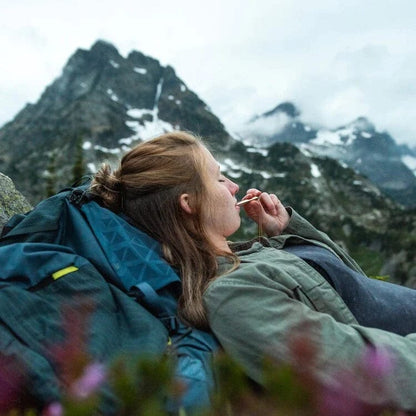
(233, 187)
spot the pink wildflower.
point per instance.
(11, 383)
(92, 378)
(338, 398)
(53, 409)
(377, 362)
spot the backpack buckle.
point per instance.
(78, 196)
(171, 323)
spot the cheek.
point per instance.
(219, 205)
(209, 210)
(217, 198)
(215, 212)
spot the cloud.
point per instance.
(335, 60)
(369, 81)
(267, 126)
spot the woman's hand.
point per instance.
(268, 212)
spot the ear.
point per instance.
(184, 201)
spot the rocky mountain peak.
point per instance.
(140, 59)
(358, 144)
(103, 48)
(363, 124)
(102, 103)
(287, 108)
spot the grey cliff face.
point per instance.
(11, 201)
(100, 106)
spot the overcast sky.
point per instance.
(336, 60)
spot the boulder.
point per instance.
(11, 201)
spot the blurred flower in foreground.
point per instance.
(92, 378)
(339, 398)
(11, 383)
(377, 362)
(367, 378)
(53, 409)
(71, 354)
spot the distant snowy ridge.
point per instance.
(358, 145)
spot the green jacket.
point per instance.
(255, 309)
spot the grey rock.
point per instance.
(11, 201)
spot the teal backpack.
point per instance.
(67, 244)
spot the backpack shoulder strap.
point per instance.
(156, 304)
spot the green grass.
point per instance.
(370, 261)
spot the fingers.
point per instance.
(276, 201)
(251, 193)
(267, 211)
(270, 202)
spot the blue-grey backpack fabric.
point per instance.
(71, 230)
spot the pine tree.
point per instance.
(78, 169)
(51, 178)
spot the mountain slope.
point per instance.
(103, 103)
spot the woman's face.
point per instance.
(220, 216)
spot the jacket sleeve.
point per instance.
(253, 318)
(300, 227)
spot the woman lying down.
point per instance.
(256, 295)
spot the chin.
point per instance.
(236, 227)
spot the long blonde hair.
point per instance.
(146, 187)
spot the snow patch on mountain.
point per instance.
(263, 152)
(114, 151)
(315, 172)
(138, 112)
(91, 167)
(146, 130)
(112, 95)
(140, 70)
(410, 162)
(366, 135)
(235, 170)
(341, 137)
